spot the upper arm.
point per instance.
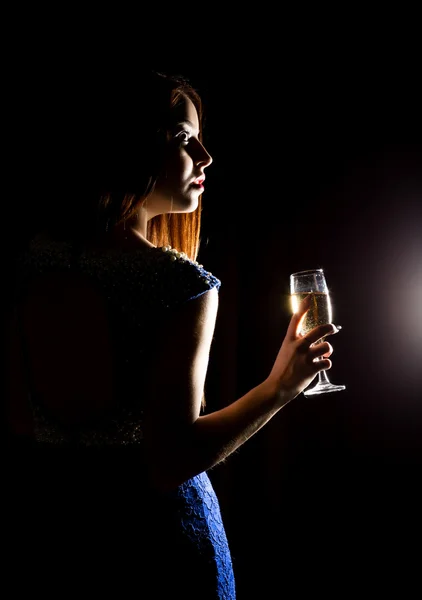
(179, 366)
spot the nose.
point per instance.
(202, 157)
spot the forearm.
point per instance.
(181, 444)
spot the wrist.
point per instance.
(279, 394)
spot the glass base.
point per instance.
(324, 388)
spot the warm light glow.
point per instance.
(395, 263)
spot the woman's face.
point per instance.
(182, 180)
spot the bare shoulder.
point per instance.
(191, 324)
(198, 315)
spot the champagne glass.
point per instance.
(313, 282)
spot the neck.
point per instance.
(139, 222)
(133, 231)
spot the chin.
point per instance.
(187, 204)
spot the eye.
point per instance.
(183, 137)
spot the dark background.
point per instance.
(317, 152)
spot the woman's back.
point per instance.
(64, 329)
(83, 325)
(85, 322)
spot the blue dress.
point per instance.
(91, 519)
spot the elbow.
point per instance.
(172, 462)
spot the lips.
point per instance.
(199, 180)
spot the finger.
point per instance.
(321, 331)
(324, 349)
(297, 317)
(323, 365)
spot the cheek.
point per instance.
(179, 167)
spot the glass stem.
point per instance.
(322, 377)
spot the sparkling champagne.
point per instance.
(312, 283)
(319, 311)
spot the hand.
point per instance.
(295, 366)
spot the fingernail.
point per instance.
(337, 328)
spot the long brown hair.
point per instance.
(119, 134)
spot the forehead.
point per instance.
(186, 111)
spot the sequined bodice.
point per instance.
(141, 289)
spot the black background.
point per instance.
(317, 150)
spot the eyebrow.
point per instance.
(185, 122)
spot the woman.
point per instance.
(110, 336)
